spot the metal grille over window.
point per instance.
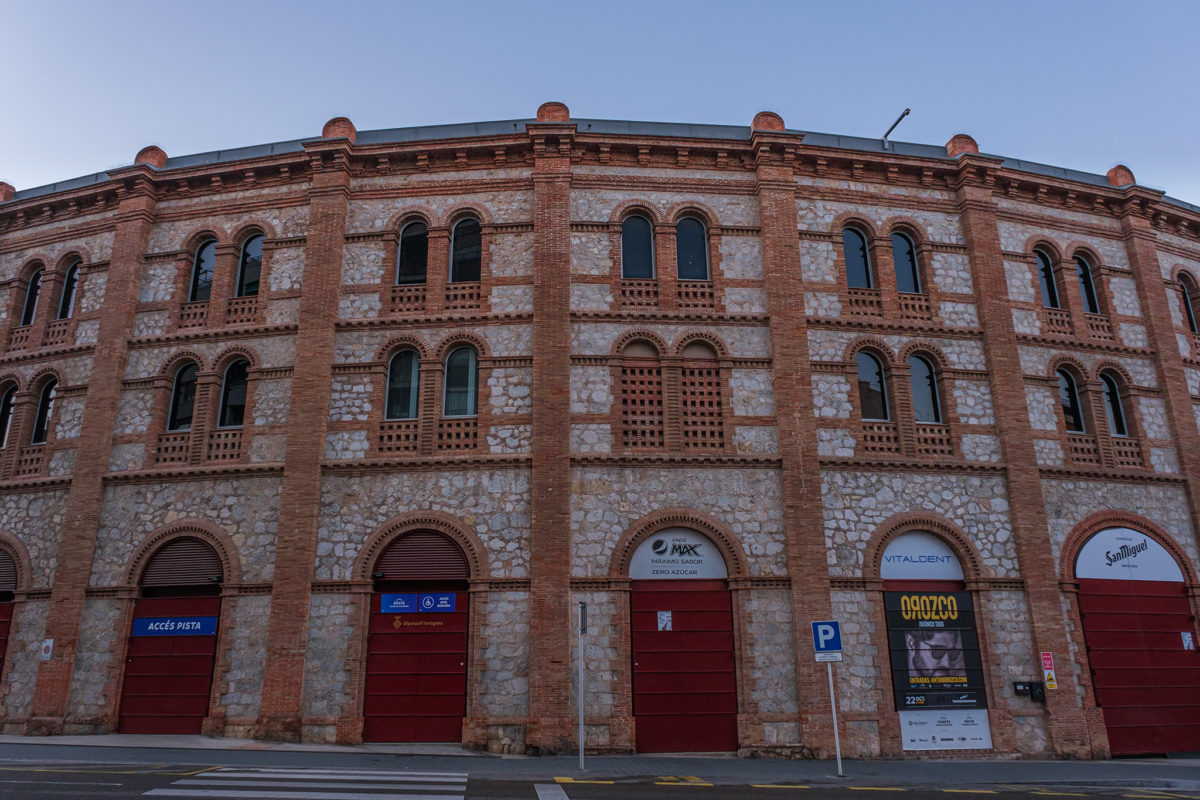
(186, 561)
(641, 404)
(703, 423)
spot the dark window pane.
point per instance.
(460, 383)
(1187, 290)
(467, 252)
(1087, 289)
(202, 272)
(872, 391)
(1112, 405)
(45, 413)
(402, 386)
(637, 249)
(924, 391)
(1046, 280)
(858, 262)
(905, 257)
(691, 250)
(66, 302)
(1068, 396)
(6, 414)
(31, 298)
(413, 260)
(183, 399)
(233, 395)
(251, 267)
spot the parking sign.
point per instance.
(827, 640)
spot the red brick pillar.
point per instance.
(551, 727)
(1066, 723)
(300, 501)
(77, 540)
(796, 418)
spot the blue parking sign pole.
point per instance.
(827, 644)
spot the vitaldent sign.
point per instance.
(1123, 554)
(677, 554)
(919, 556)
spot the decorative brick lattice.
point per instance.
(399, 436)
(458, 434)
(703, 423)
(463, 296)
(641, 405)
(696, 294)
(639, 293)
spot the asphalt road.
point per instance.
(31, 778)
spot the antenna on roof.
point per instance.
(887, 145)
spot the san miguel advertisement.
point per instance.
(934, 651)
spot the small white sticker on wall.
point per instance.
(664, 620)
(1188, 642)
(47, 649)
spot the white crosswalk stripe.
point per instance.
(275, 783)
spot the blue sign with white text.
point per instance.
(399, 604)
(827, 637)
(175, 626)
(443, 601)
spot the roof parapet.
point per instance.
(767, 121)
(340, 128)
(152, 155)
(961, 143)
(553, 111)
(1121, 175)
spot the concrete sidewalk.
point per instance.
(1174, 773)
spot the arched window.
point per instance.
(183, 399)
(402, 386)
(872, 388)
(926, 404)
(1068, 396)
(32, 290)
(1087, 288)
(462, 374)
(413, 259)
(904, 255)
(1187, 291)
(233, 395)
(250, 267)
(1046, 280)
(641, 397)
(202, 272)
(691, 250)
(7, 402)
(466, 248)
(45, 413)
(637, 248)
(858, 260)
(66, 302)
(1112, 405)
(700, 378)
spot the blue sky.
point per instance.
(1085, 85)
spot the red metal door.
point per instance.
(168, 678)
(416, 674)
(684, 679)
(6, 610)
(1146, 682)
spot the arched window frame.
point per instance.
(923, 362)
(8, 413)
(414, 405)
(200, 290)
(176, 398)
(33, 291)
(457, 238)
(1089, 292)
(472, 386)
(43, 420)
(868, 279)
(680, 255)
(911, 247)
(1115, 413)
(1047, 274)
(649, 244)
(245, 287)
(228, 388)
(870, 358)
(69, 291)
(1070, 401)
(409, 229)
(1188, 294)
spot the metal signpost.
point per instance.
(579, 687)
(827, 644)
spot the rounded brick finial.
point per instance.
(767, 121)
(961, 143)
(340, 128)
(6, 192)
(553, 111)
(1121, 175)
(152, 155)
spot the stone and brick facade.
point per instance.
(552, 484)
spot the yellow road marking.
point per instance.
(681, 783)
(877, 788)
(776, 786)
(1058, 794)
(971, 791)
(573, 780)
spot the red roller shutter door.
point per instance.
(684, 679)
(8, 585)
(1147, 684)
(168, 679)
